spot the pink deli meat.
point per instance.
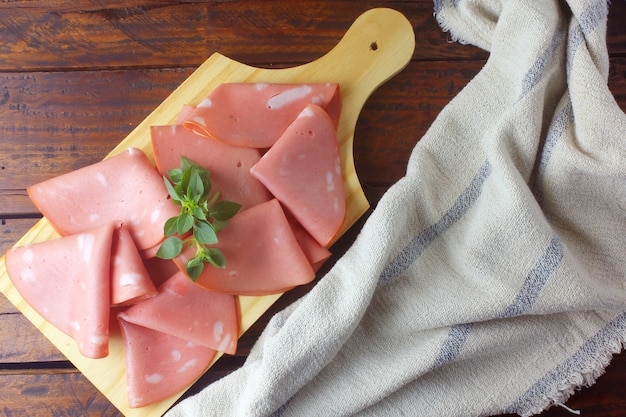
(188, 311)
(229, 166)
(125, 187)
(262, 255)
(256, 114)
(66, 280)
(303, 171)
(159, 365)
(314, 252)
(130, 280)
(160, 270)
(184, 114)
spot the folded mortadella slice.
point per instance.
(159, 365)
(256, 114)
(160, 270)
(130, 280)
(125, 187)
(66, 280)
(315, 253)
(188, 311)
(229, 166)
(184, 114)
(303, 171)
(262, 255)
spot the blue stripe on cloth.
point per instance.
(414, 249)
(586, 361)
(444, 4)
(593, 15)
(282, 409)
(536, 279)
(588, 21)
(452, 345)
(537, 70)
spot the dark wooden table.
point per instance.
(76, 77)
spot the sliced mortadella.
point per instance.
(315, 253)
(66, 280)
(125, 187)
(159, 365)
(256, 114)
(188, 311)
(130, 281)
(184, 114)
(229, 166)
(160, 270)
(303, 171)
(262, 255)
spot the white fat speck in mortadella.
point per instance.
(154, 378)
(207, 102)
(288, 97)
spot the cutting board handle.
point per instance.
(377, 46)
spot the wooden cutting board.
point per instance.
(378, 45)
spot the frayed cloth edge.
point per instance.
(441, 21)
(560, 392)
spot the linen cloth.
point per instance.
(491, 278)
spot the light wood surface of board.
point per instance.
(377, 46)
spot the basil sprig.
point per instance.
(201, 217)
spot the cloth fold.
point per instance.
(492, 277)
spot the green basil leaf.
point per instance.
(199, 213)
(204, 233)
(169, 228)
(184, 180)
(186, 163)
(224, 210)
(184, 223)
(171, 190)
(170, 248)
(219, 224)
(175, 175)
(195, 188)
(194, 268)
(215, 257)
(206, 180)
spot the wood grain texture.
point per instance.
(89, 36)
(76, 77)
(58, 393)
